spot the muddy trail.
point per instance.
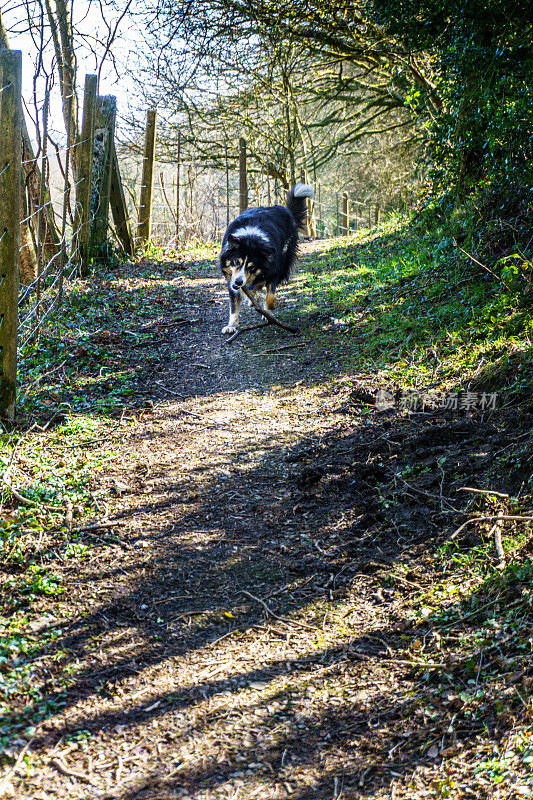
(244, 627)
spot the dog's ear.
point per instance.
(232, 242)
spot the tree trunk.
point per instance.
(61, 28)
(32, 179)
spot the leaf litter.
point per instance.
(272, 605)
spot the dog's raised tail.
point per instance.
(296, 204)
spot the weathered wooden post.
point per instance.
(227, 182)
(41, 224)
(322, 226)
(104, 138)
(66, 201)
(119, 208)
(243, 183)
(309, 226)
(178, 181)
(345, 218)
(10, 189)
(82, 220)
(144, 227)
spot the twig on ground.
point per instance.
(95, 526)
(482, 491)
(70, 773)
(497, 531)
(160, 322)
(170, 391)
(248, 328)
(284, 347)
(20, 400)
(429, 494)
(490, 518)
(280, 619)
(68, 513)
(186, 614)
(180, 322)
(4, 784)
(266, 314)
(108, 540)
(421, 664)
(484, 266)
(26, 502)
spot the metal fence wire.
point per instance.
(73, 200)
(49, 256)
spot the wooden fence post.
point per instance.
(82, 221)
(345, 219)
(10, 189)
(144, 227)
(178, 181)
(41, 225)
(243, 183)
(227, 182)
(119, 208)
(104, 137)
(309, 226)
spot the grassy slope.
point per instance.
(409, 313)
(406, 310)
(418, 310)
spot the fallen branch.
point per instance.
(482, 491)
(95, 526)
(160, 321)
(248, 328)
(270, 613)
(20, 400)
(497, 530)
(108, 540)
(186, 614)
(70, 773)
(5, 783)
(31, 503)
(170, 391)
(68, 513)
(487, 519)
(286, 347)
(266, 314)
(484, 266)
(271, 319)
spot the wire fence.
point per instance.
(48, 253)
(55, 207)
(73, 202)
(208, 199)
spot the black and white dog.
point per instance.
(259, 249)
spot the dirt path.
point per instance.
(235, 636)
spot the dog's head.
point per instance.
(244, 257)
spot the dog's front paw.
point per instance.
(229, 329)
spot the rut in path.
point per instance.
(239, 641)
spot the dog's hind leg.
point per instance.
(270, 299)
(234, 303)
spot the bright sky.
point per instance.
(116, 72)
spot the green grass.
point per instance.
(419, 311)
(403, 306)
